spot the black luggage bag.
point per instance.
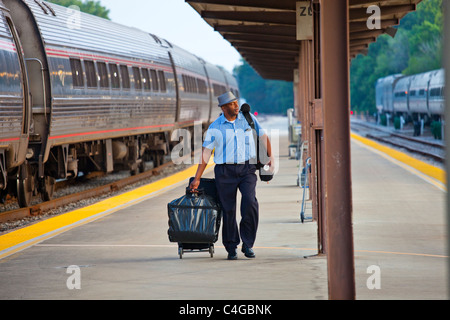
(194, 219)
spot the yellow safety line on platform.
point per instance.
(432, 174)
(21, 239)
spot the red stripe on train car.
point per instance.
(109, 131)
(9, 140)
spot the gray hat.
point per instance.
(226, 98)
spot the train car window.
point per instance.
(155, 84)
(194, 84)
(435, 92)
(162, 81)
(77, 73)
(191, 87)
(115, 78)
(421, 92)
(184, 83)
(3, 74)
(412, 93)
(146, 79)
(191, 84)
(103, 75)
(91, 75)
(137, 78)
(125, 77)
(218, 90)
(188, 84)
(201, 86)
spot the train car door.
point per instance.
(24, 80)
(39, 88)
(177, 88)
(18, 111)
(210, 95)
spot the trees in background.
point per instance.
(264, 96)
(88, 6)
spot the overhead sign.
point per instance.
(305, 28)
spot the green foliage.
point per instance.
(88, 6)
(265, 96)
(416, 48)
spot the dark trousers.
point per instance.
(230, 178)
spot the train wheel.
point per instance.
(49, 189)
(25, 185)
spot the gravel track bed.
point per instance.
(365, 129)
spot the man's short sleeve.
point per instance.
(210, 138)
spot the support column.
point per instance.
(334, 42)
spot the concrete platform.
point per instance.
(399, 226)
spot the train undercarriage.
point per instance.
(71, 161)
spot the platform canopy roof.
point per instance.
(264, 32)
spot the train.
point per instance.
(79, 93)
(415, 98)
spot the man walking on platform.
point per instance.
(231, 138)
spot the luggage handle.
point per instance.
(190, 191)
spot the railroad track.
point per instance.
(426, 148)
(41, 208)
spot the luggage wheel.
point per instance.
(210, 250)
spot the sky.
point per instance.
(177, 22)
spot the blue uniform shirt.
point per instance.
(233, 142)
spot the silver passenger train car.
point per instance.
(413, 97)
(79, 93)
(384, 93)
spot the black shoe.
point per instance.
(232, 255)
(248, 252)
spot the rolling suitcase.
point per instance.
(194, 219)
